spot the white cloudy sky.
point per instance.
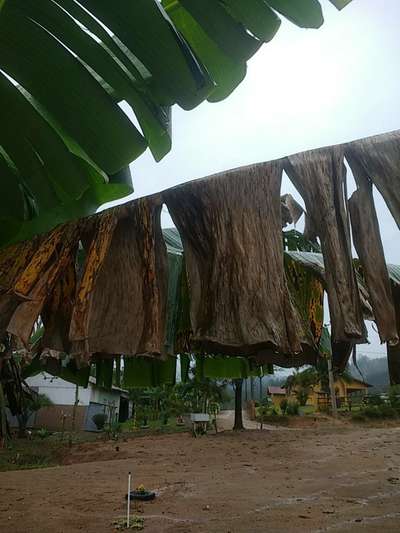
(305, 89)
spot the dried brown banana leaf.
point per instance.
(378, 158)
(368, 243)
(230, 225)
(319, 176)
(121, 308)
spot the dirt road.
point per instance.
(331, 478)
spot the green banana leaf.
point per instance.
(220, 367)
(104, 372)
(147, 372)
(65, 67)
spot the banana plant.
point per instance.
(65, 68)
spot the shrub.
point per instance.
(43, 433)
(375, 399)
(358, 416)
(302, 395)
(375, 412)
(292, 408)
(99, 420)
(113, 430)
(283, 405)
(394, 396)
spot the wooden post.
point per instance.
(332, 387)
(75, 406)
(73, 422)
(3, 439)
(252, 388)
(128, 502)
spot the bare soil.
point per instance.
(330, 476)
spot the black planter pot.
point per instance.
(145, 496)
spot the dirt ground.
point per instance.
(327, 477)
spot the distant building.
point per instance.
(346, 389)
(114, 403)
(277, 394)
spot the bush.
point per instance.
(113, 430)
(375, 412)
(375, 399)
(43, 433)
(99, 420)
(283, 405)
(302, 395)
(394, 396)
(292, 408)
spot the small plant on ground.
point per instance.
(43, 433)
(141, 489)
(135, 522)
(113, 430)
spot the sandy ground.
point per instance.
(330, 477)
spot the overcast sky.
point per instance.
(305, 89)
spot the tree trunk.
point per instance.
(252, 388)
(393, 358)
(332, 387)
(3, 420)
(238, 425)
(22, 423)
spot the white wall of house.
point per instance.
(59, 391)
(103, 396)
(93, 399)
(62, 392)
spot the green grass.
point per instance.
(155, 426)
(22, 454)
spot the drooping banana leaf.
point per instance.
(220, 367)
(146, 372)
(104, 371)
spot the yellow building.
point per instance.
(347, 390)
(277, 394)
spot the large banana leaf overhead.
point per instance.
(65, 65)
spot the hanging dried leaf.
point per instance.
(57, 312)
(378, 158)
(122, 304)
(230, 225)
(13, 261)
(319, 176)
(368, 243)
(39, 277)
(291, 210)
(102, 227)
